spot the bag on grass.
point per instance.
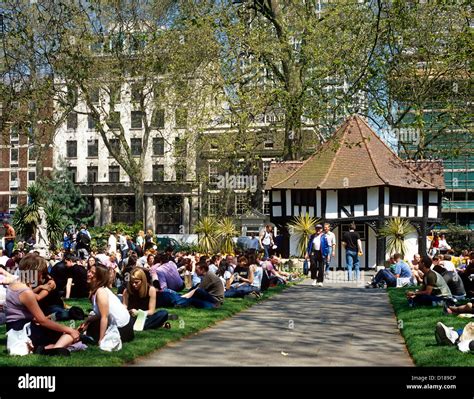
(111, 341)
(19, 342)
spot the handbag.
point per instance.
(305, 267)
(111, 341)
(19, 342)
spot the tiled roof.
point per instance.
(354, 157)
(432, 171)
(279, 170)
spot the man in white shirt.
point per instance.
(331, 239)
(112, 243)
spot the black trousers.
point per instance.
(317, 266)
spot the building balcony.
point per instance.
(456, 206)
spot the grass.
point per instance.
(418, 327)
(190, 321)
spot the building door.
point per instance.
(169, 214)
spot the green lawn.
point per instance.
(418, 327)
(190, 321)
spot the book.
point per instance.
(140, 321)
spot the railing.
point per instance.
(449, 205)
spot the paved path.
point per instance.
(338, 325)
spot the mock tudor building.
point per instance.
(355, 176)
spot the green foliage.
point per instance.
(395, 231)
(226, 231)
(458, 237)
(100, 235)
(206, 229)
(55, 221)
(303, 227)
(26, 217)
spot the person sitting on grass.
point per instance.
(467, 308)
(165, 271)
(248, 277)
(47, 336)
(389, 277)
(463, 338)
(415, 269)
(106, 306)
(434, 289)
(453, 280)
(139, 295)
(210, 292)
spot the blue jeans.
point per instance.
(156, 320)
(266, 252)
(387, 276)
(327, 262)
(203, 300)
(425, 300)
(239, 292)
(9, 244)
(170, 298)
(352, 260)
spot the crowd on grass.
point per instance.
(129, 289)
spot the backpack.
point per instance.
(83, 238)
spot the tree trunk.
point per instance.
(139, 191)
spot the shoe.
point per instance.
(320, 284)
(140, 321)
(445, 335)
(314, 283)
(167, 326)
(86, 339)
(446, 309)
(40, 350)
(254, 295)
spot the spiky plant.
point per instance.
(226, 231)
(206, 229)
(303, 227)
(396, 231)
(27, 217)
(56, 222)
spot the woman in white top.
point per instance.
(107, 307)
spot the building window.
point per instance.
(93, 148)
(115, 144)
(114, 174)
(268, 145)
(158, 173)
(14, 134)
(72, 94)
(115, 94)
(265, 169)
(32, 153)
(114, 120)
(72, 121)
(92, 173)
(180, 147)
(71, 149)
(14, 155)
(158, 146)
(158, 119)
(13, 201)
(14, 182)
(31, 175)
(136, 147)
(136, 93)
(214, 147)
(266, 205)
(180, 171)
(91, 122)
(72, 172)
(137, 120)
(213, 173)
(241, 203)
(214, 201)
(181, 118)
(95, 95)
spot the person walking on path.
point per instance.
(331, 240)
(351, 241)
(266, 241)
(318, 250)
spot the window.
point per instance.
(241, 203)
(114, 120)
(214, 147)
(137, 120)
(158, 146)
(266, 169)
(115, 144)
(136, 93)
(92, 173)
(213, 173)
(71, 149)
(136, 147)
(94, 95)
(180, 147)
(214, 201)
(72, 121)
(268, 145)
(13, 201)
(115, 94)
(158, 173)
(91, 122)
(181, 118)
(14, 182)
(31, 176)
(14, 134)
(180, 171)
(14, 155)
(32, 153)
(158, 119)
(72, 94)
(93, 148)
(114, 174)
(72, 172)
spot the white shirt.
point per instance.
(331, 238)
(116, 309)
(227, 276)
(443, 245)
(112, 243)
(317, 243)
(449, 266)
(3, 260)
(267, 238)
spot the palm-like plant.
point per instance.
(303, 227)
(226, 231)
(206, 229)
(395, 231)
(55, 219)
(27, 217)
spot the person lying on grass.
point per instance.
(22, 307)
(106, 306)
(139, 295)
